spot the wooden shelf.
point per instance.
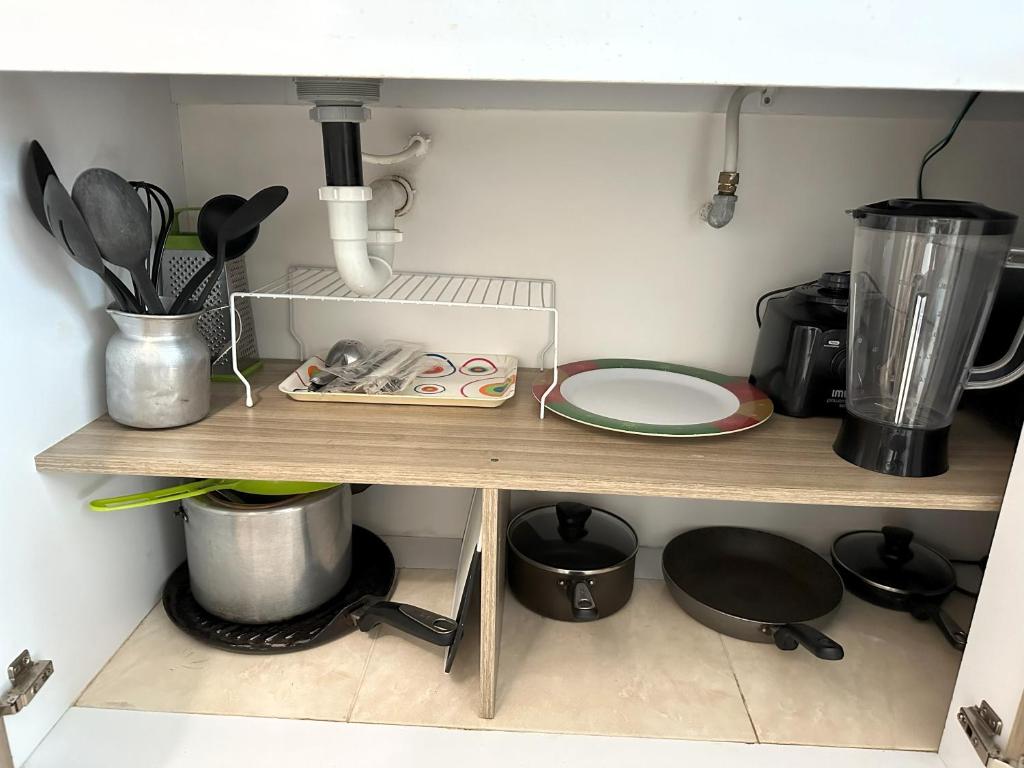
(786, 460)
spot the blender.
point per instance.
(922, 283)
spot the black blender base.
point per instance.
(893, 450)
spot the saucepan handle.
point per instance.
(584, 607)
(1002, 371)
(788, 636)
(418, 622)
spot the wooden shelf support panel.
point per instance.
(785, 460)
(496, 506)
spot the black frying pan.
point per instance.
(754, 586)
(362, 603)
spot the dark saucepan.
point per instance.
(571, 562)
(890, 569)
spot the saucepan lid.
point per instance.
(570, 536)
(891, 561)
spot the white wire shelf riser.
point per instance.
(418, 288)
(307, 283)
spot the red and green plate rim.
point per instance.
(754, 405)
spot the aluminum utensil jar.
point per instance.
(158, 370)
(255, 560)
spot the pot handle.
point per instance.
(418, 622)
(160, 495)
(1002, 371)
(788, 636)
(952, 631)
(584, 608)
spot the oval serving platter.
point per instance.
(647, 397)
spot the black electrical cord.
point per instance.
(941, 145)
(761, 300)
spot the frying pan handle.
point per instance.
(950, 629)
(418, 622)
(788, 636)
(584, 607)
(159, 496)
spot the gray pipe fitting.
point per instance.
(719, 211)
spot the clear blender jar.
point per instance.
(922, 283)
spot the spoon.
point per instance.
(246, 219)
(344, 352)
(212, 216)
(227, 228)
(121, 226)
(67, 225)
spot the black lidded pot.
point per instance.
(570, 561)
(890, 569)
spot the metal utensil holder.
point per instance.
(183, 255)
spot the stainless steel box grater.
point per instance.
(182, 256)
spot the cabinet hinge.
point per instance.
(982, 725)
(26, 677)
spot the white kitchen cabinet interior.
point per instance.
(992, 668)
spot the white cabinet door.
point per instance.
(74, 583)
(993, 665)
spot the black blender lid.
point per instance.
(569, 536)
(953, 217)
(890, 560)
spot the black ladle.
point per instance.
(227, 227)
(67, 225)
(211, 218)
(121, 227)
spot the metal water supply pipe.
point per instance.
(720, 210)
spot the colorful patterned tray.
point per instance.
(481, 381)
(647, 397)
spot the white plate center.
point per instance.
(649, 397)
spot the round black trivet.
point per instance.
(373, 575)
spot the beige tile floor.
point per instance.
(648, 670)
(161, 669)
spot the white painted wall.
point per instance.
(605, 203)
(74, 583)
